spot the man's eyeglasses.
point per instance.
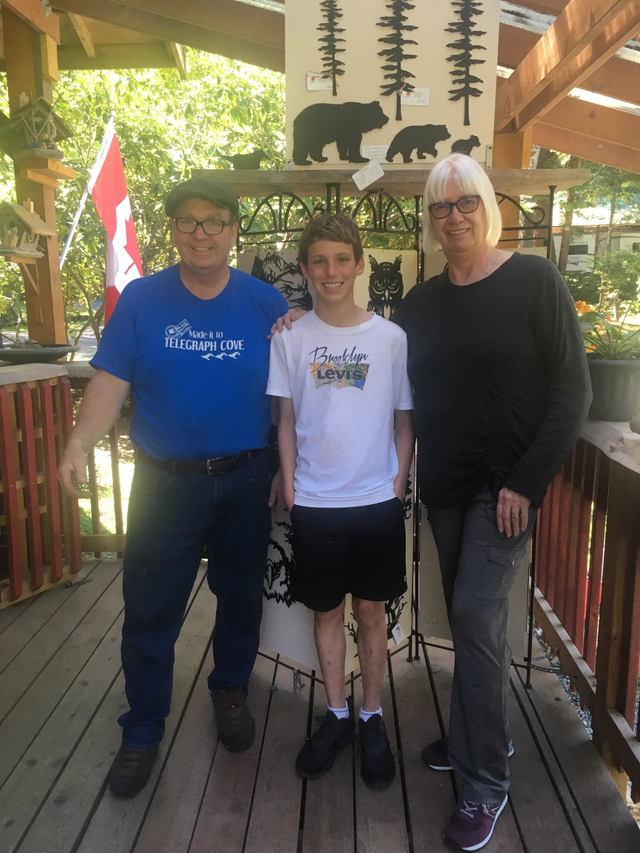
(442, 209)
(187, 225)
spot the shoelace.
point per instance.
(469, 809)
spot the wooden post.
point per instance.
(618, 641)
(29, 69)
(511, 151)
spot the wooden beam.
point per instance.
(596, 150)
(245, 46)
(616, 78)
(546, 7)
(221, 16)
(596, 133)
(102, 542)
(176, 52)
(82, 30)
(33, 13)
(45, 309)
(563, 42)
(114, 56)
(581, 68)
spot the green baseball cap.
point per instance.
(201, 188)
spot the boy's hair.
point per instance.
(334, 227)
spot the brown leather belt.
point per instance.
(218, 465)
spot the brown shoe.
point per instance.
(235, 723)
(130, 770)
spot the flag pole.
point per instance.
(105, 141)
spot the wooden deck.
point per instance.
(62, 688)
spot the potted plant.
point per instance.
(614, 364)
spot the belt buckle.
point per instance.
(210, 463)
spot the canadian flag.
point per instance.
(108, 188)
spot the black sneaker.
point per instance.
(377, 765)
(236, 726)
(318, 753)
(130, 770)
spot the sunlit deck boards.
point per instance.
(61, 690)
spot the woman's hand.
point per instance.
(290, 317)
(512, 512)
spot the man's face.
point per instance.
(203, 252)
(332, 269)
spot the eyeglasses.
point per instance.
(442, 209)
(187, 225)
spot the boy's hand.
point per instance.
(289, 318)
(400, 488)
(289, 497)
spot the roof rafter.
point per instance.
(592, 132)
(616, 78)
(566, 40)
(567, 54)
(243, 43)
(82, 31)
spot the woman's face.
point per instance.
(460, 232)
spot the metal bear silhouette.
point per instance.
(288, 278)
(424, 138)
(465, 146)
(386, 286)
(320, 124)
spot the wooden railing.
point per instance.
(588, 589)
(97, 542)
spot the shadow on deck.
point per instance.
(62, 689)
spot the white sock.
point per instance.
(364, 715)
(341, 713)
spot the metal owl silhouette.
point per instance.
(386, 287)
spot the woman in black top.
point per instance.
(501, 390)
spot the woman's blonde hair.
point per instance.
(471, 179)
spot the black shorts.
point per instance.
(358, 549)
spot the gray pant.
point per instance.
(478, 566)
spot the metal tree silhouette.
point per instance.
(395, 54)
(463, 60)
(333, 67)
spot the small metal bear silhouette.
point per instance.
(386, 287)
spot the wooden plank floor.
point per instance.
(61, 689)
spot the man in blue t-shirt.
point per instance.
(191, 344)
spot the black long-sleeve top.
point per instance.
(500, 379)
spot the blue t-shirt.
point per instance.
(198, 367)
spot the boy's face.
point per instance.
(332, 269)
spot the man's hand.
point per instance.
(289, 318)
(276, 495)
(73, 470)
(512, 512)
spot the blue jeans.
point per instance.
(171, 518)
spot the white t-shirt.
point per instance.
(345, 384)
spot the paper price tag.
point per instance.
(418, 97)
(317, 83)
(397, 633)
(375, 152)
(371, 172)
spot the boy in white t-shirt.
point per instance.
(346, 443)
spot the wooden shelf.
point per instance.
(400, 183)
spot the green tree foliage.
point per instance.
(166, 128)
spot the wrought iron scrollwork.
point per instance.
(535, 216)
(277, 214)
(381, 213)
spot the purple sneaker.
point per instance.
(435, 755)
(471, 825)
